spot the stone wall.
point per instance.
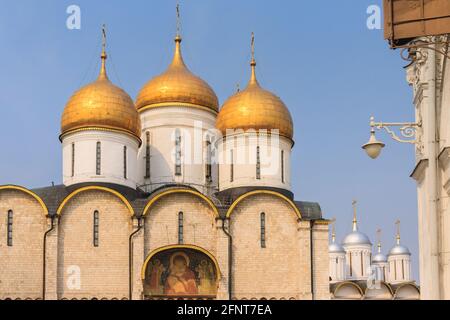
(21, 264)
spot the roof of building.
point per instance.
(53, 196)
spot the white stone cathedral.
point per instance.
(168, 197)
(356, 274)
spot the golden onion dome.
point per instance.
(177, 85)
(101, 106)
(255, 109)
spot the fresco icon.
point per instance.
(180, 273)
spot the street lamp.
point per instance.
(408, 130)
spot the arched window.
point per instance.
(180, 228)
(147, 155)
(96, 228)
(208, 168)
(362, 263)
(395, 270)
(125, 162)
(73, 160)
(282, 166)
(231, 165)
(98, 158)
(177, 152)
(10, 229)
(263, 230)
(258, 163)
(351, 264)
(403, 269)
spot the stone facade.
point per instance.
(428, 75)
(77, 269)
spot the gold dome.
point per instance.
(177, 85)
(101, 106)
(257, 109)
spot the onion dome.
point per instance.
(379, 257)
(333, 246)
(177, 85)
(255, 108)
(101, 106)
(356, 237)
(399, 249)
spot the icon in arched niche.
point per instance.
(180, 272)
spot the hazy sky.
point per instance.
(318, 56)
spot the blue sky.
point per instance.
(318, 56)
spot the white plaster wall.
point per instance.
(194, 124)
(381, 270)
(399, 273)
(244, 148)
(359, 271)
(337, 266)
(112, 166)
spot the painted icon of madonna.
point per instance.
(180, 273)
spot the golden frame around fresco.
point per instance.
(180, 272)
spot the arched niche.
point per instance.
(180, 272)
(348, 291)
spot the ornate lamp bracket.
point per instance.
(408, 130)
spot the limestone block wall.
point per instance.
(86, 271)
(199, 223)
(278, 270)
(321, 262)
(200, 228)
(21, 264)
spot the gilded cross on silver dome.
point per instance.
(355, 221)
(397, 223)
(379, 240)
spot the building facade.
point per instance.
(428, 74)
(168, 197)
(358, 274)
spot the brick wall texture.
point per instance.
(76, 269)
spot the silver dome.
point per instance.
(335, 248)
(356, 238)
(379, 257)
(399, 250)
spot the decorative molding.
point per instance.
(419, 170)
(29, 192)
(444, 161)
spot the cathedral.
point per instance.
(167, 197)
(357, 274)
(171, 196)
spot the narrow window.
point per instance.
(180, 228)
(96, 226)
(282, 166)
(403, 269)
(99, 158)
(10, 229)
(125, 162)
(351, 266)
(231, 166)
(208, 173)
(258, 163)
(395, 270)
(147, 155)
(177, 153)
(73, 160)
(362, 263)
(263, 230)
